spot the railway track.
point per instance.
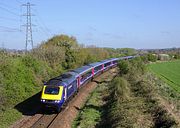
(45, 121)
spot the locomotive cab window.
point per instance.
(52, 90)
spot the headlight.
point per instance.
(57, 101)
(43, 100)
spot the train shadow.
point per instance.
(30, 106)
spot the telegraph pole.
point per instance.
(28, 25)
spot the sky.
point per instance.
(105, 23)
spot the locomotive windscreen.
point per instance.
(51, 90)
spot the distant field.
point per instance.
(169, 72)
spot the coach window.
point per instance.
(96, 69)
(86, 75)
(107, 64)
(115, 62)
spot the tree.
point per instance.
(152, 57)
(60, 49)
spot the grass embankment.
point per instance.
(90, 114)
(21, 78)
(136, 104)
(169, 72)
(131, 100)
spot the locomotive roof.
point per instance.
(66, 77)
(82, 69)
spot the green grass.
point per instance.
(21, 78)
(169, 72)
(91, 112)
(9, 116)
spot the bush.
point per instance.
(120, 89)
(123, 67)
(152, 58)
(119, 111)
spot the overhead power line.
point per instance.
(19, 2)
(42, 28)
(10, 19)
(9, 7)
(8, 29)
(7, 10)
(42, 24)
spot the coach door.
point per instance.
(78, 81)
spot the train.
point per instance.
(57, 91)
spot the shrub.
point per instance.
(120, 89)
(123, 67)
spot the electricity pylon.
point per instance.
(28, 25)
